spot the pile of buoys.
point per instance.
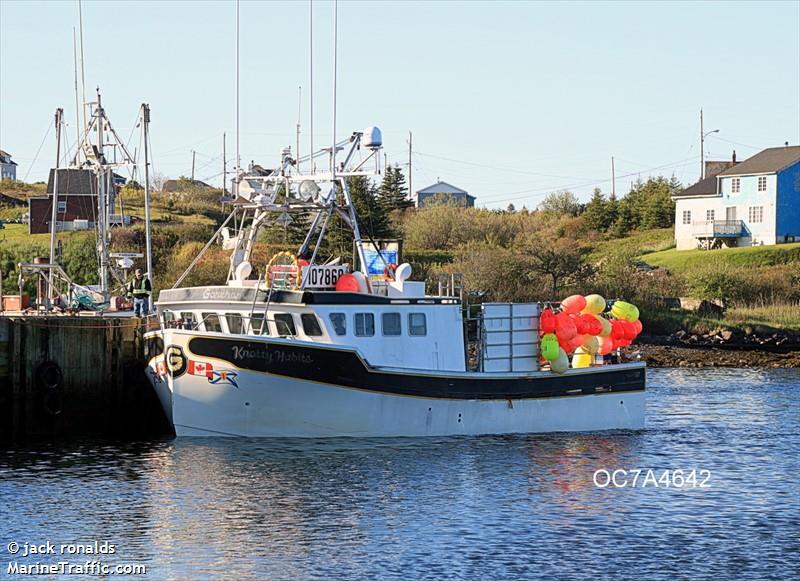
(585, 326)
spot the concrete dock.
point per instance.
(75, 376)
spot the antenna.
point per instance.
(77, 101)
(311, 80)
(83, 71)
(335, 62)
(238, 159)
(299, 105)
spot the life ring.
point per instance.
(53, 401)
(288, 278)
(49, 375)
(388, 272)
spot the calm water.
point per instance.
(478, 508)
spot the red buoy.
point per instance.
(347, 283)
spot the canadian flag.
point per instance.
(200, 368)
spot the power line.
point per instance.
(505, 169)
(38, 151)
(534, 192)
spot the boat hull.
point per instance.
(261, 387)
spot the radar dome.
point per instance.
(372, 138)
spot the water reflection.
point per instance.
(522, 506)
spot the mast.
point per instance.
(335, 63)
(238, 161)
(147, 232)
(102, 199)
(83, 69)
(77, 100)
(299, 108)
(311, 84)
(54, 212)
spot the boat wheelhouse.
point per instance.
(310, 347)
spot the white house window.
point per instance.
(736, 186)
(710, 215)
(62, 207)
(417, 325)
(391, 324)
(365, 324)
(762, 183)
(687, 216)
(756, 214)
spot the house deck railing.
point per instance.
(718, 229)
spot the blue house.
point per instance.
(750, 203)
(444, 193)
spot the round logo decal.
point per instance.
(176, 360)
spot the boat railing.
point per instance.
(451, 285)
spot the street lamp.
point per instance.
(703, 152)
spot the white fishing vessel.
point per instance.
(309, 346)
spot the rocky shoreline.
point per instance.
(724, 349)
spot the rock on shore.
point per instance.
(709, 356)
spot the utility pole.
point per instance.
(194, 153)
(54, 212)
(410, 188)
(224, 168)
(148, 240)
(702, 148)
(613, 179)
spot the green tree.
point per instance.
(562, 203)
(650, 202)
(562, 262)
(373, 217)
(595, 214)
(393, 192)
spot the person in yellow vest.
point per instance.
(140, 288)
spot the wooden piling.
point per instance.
(75, 376)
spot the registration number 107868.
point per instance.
(323, 276)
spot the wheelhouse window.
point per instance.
(736, 185)
(189, 320)
(756, 214)
(339, 322)
(365, 324)
(234, 321)
(284, 325)
(390, 323)
(762, 183)
(257, 324)
(417, 325)
(310, 325)
(211, 322)
(710, 215)
(687, 216)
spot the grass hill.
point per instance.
(684, 261)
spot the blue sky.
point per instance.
(509, 100)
